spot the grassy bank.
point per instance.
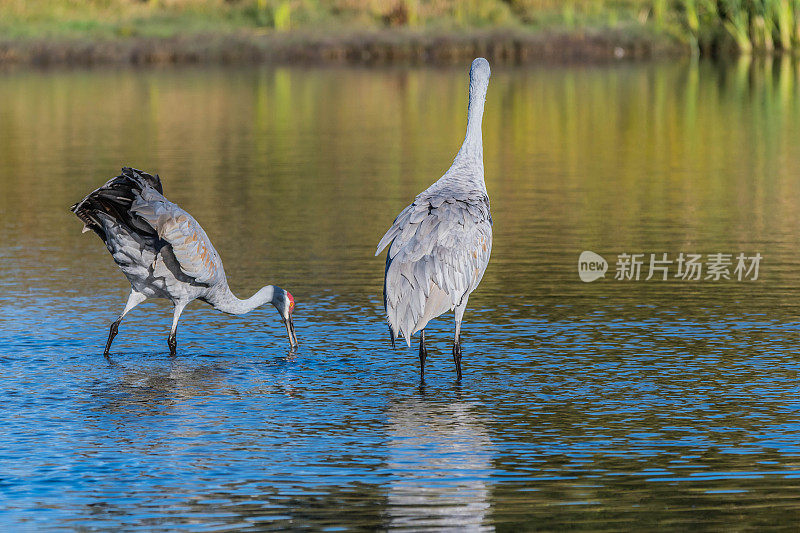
(112, 19)
(368, 47)
(157, 31)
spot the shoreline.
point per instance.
(366, 47)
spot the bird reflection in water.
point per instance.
(138, 390)
(440, 457)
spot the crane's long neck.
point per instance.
(472, 148)
(224, 300)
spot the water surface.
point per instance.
(603, 406)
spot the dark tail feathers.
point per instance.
(114, 200)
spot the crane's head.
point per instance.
(284, 303)
(479, 70)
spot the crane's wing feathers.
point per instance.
(190, 245)
(439, 248)
(131, 207)
(400, 222)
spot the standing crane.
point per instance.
(439, 246)
(164, 252)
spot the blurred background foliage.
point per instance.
(705, 26)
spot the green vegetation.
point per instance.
(164, 18)
(707, 26)
(750, 25)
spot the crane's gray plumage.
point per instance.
(164, 252)
(439, 246)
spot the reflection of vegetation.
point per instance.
(671, 158)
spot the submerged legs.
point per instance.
(423, 354)
(457, 340)
(134, 299)
(457, 358)
(176, 315)
(457, 350)
(112, 332)
(172, 341)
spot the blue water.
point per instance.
(603, 406)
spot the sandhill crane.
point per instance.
(439, 246)
(164, 252)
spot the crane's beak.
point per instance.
(289, 323)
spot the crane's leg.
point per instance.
(457, 340)
(423, 354)
(173, 341)
(134, 299)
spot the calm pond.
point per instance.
(617, 404)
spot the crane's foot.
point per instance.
(423, 354)
(111, 334)
(457, 358)
(173, 344)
